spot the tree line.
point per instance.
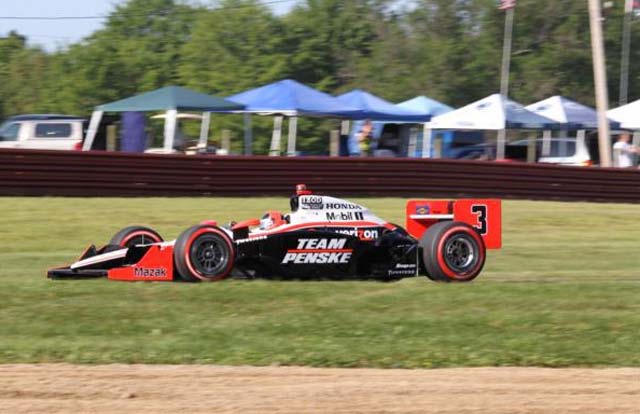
(449, 50)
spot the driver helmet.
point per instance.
(266, 222)
(272, 219)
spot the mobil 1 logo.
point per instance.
(345, 215)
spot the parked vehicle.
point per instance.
(561, 151)
(42, 131)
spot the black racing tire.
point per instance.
(204, 253)
(452, 251)
(133, 235)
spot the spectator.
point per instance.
(623, 152)
(364, 138)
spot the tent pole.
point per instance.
(345, 125)
(170, 121)
(413, 141)
(248, 134)
(293, 131)
(501, 144)
(334, 143)
(96, 117)
(204, 129)
(427, 136)
(546, 142)
(345, 131)
(276, 137)
(580, 138)
(531, 149)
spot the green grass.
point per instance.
(564, 291)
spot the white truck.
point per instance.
(42, 131)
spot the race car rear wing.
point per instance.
(484, 215)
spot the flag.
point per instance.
(507, 4)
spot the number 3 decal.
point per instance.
(481, 211)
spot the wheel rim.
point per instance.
(460, 253)
(209, 255)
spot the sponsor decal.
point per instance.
(252, 239)
(401, 272)
(422, 209)
(150, 272)
(317, 258)
(318, 251)
(319, 244)
(345, 215)
(342, 206)
(362, 234)
(406, 265)
(311, 203)
(403, 269)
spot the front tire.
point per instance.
(204, 253)
(135, 235)
(452, 252)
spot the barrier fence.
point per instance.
(72, 173)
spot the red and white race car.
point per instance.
(322, 237)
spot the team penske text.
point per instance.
(318, 251)
(317, 258)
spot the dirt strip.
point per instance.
(61, 388)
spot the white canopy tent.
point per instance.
(628, 115)
(629, 118)
(493, 113)
(573, 116)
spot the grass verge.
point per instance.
(564, 291)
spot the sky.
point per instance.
(53, 34)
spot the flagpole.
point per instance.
(626, 48)
(506, 52)
(504, 75)
(600, 80)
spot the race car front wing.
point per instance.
(139, 263)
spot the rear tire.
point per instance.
(135, 235)
(452, 252)
(204, 253)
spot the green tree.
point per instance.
(235, 47)
(447, 49)
(136, 51)
(326, 38)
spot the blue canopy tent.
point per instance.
(419, 104)
(291, 99)
(170, 99)
(380, 112)
(493, 113)
(433, 108)
(424, 104)
(377, 109)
